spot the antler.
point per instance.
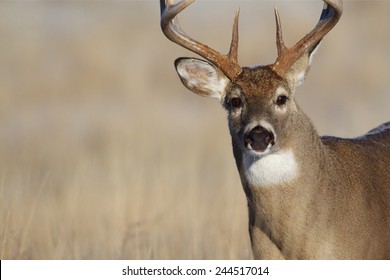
(330, 15)
(171, 28)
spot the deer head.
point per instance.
(259, 100)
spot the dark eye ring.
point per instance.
(281, 100)
(235, 102)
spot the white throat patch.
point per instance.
(271, 169)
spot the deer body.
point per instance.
(331, 209)
(309, 197)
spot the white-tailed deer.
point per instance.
(309, 197)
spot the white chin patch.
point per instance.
(270, 169)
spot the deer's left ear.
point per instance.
(202, 77)
(297, 73)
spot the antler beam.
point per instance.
(171, 28)
(330, 15)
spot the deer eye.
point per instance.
(235, 103)
(281, 100)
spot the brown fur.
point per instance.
(338, 209)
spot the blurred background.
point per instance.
(105, 155)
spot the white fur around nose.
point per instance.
(272, 169)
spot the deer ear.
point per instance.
(202, 77)
(297, 73)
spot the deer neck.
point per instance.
(282, 209)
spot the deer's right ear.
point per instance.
(201, 77)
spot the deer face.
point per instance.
(260, 104)
(258, 107)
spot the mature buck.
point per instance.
(309, 197)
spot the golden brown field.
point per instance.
(105, 155)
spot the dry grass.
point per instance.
(104, 155)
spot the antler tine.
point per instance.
(233, 52)
(330, 15)
(172, 30)
(279, 36)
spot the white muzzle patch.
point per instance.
(271, 169)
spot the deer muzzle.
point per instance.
(259, 138)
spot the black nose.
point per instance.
(259, 138)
